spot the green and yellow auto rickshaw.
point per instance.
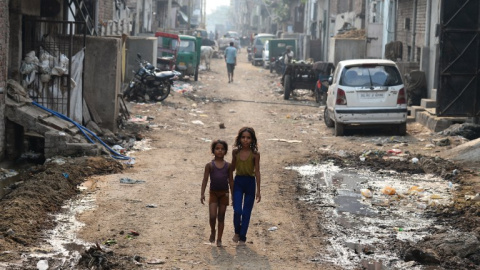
(188, 55)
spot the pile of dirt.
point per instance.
(353, 34)
(40, 192)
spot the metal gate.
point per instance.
(49, 50)
(459, 63)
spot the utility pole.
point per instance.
(189, 14)
(168, 24)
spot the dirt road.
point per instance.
(177, 231)
(161, 224)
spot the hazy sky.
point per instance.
(212, 4)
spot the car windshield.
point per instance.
(261, 40)
(370, 75)
(185, 45)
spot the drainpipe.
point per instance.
(327, 33)
(414, 28)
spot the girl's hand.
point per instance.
(259, 197)
(202, 199)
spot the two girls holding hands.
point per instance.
(245, 187)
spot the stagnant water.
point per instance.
(362, 228)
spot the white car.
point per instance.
(366, 92)
(265, 56)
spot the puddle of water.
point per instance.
(363, 229)
(63, 248)
(7, 182)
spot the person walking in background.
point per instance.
(220, 184)
(246, 185)
(231, 60)
(287, 57)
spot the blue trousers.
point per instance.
(243, 199)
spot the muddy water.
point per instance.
(7, 182)
(364, 230)
(63, 249)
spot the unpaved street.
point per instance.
(159, 222)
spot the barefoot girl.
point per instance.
(246, 162)
(220, 183)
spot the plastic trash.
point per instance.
(274, 228)
(435, 197)
(366, 192)
(65, 175)
(421, 206)
(414, 160)
(398, 229)
(415, 190)
(362, 158)
(388, 190)
(394, 151)
(42, 265)
(152, 206)
(455, 172)
(126, 180)
(198, 122)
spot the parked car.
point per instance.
(265, 55)
(366, 92)
(230, 36)
(257, 47)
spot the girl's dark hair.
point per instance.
(215, 142)
(238, 143)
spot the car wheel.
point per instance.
(326, 118)
(287, 87)
(339, 128)
(402, 129)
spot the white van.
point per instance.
(366, 92)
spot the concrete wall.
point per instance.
(4, 39)
(102, 73)
(145, 46)
(344, 49)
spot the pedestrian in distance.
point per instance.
(246, 185)
(287, 57)
(220, 185)
(231, 60)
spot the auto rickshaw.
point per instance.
(188, 55)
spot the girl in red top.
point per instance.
(220, 184)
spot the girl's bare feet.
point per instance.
(219, 243)
(212, 237)
(236, 238)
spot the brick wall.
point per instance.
(4, 27)
(405, 10)
(105, 10)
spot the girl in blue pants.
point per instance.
(246, 185)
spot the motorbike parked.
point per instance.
(277, 64)
(249, 54)
(150, 82)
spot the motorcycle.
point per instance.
(277, 64)
(150, 82)
(249, 54)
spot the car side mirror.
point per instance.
(330, 80)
